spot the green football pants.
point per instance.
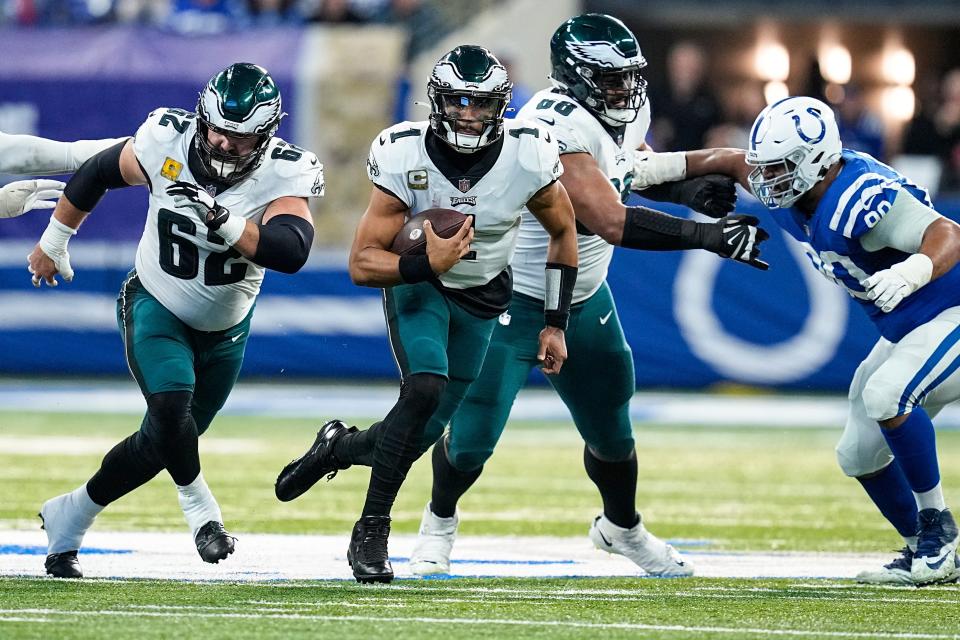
(164, 354)
(430, 333)
(595, 383)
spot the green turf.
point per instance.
(491, 608)
(738, 488)
(743, 489)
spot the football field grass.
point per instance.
(722, 488)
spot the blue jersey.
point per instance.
(862, 193)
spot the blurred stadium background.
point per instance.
(72, 69)
(94, 68)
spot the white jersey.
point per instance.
(528, 161)
(577, 131)
(186, 267)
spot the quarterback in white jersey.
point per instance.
(442, 305)
(227, 200)
(598, 112)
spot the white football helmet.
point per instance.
(793, 143)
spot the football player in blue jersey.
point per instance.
(875, 233)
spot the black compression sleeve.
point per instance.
(654, 231)
(285, 243)
(99, 173)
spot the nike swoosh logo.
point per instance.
(383, 141)
(314, 161)
(937, 564)
(237, 337)
(549, 122)
(603, 319)
(604, 538)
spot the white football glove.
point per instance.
(888, 288)
(19, 197)
(216, 217)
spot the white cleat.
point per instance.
(936, 557)
(431, 553)
(646, 550)
(896, 572)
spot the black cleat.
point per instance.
(214, 543)
(367, 554)
(304, 472)
(63, 565)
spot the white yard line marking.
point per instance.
(484, 621)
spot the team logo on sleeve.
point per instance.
(417, 179)
(171, 169)
(372, 167)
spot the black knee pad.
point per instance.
(170, 417)
(421, 393)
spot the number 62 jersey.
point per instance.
(189, 269)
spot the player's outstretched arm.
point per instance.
(665, 177)
(31, 155)
(552, 208)
(112, 168)
(372, 264)
(723, 161)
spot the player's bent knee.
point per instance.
(881, 396)
(467, 461)
(421, 393)
(613, 450)
(857, 460)
(169, 413)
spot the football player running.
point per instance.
(23, 154)
(227, 201)
(876, 234)
(441, 307)
(598, 111)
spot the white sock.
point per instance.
(198, 504)
(910, 541)
(932, 499)
(66, 519)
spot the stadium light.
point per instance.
(774, 91)
(835, 63)
(898, 66)
(772, 62)
(898, 103)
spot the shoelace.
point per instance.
(931, 532)
(903, 561)
(374, 544)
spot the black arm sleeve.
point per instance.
(651, 230)
(285, 243)
(99, 173)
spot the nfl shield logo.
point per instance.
(211, 190)
(464, 185)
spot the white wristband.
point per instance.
(650, 168)
(915, 270)
(55, 237)
(232, 229)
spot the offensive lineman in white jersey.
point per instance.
(442, 306)
(599, 114)
(227, 201)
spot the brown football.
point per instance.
(411, 239)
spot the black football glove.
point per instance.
(737, 237)
(189, 195)
(713, 195)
